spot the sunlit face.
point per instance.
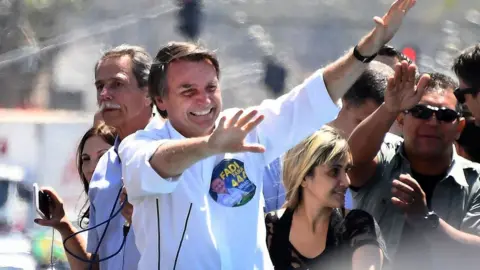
(328, 184)
(218, 186)
(354, 115)
(92, 151)
(193, 101)
(120, 99)
(431, 138)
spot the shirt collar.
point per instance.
(455, 170)
(173, 133)
(154, 123)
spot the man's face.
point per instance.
(473, 103)
(118, 95)
(218, 186)
(431, 138)
(355, 114)
(193, 101)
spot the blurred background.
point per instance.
(48, 49)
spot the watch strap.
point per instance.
(433, 219)
(361, 58)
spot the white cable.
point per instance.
(51, 249)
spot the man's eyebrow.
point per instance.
(186, 85)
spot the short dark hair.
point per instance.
(469, 140)
(390, 51)
(439, 83)
(141, 61)
(370, 85)
(172, 52)
(467, 66)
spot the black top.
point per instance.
(345, 235)
(428, 184)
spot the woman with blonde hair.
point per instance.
(314, 231)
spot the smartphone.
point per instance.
(42, 202)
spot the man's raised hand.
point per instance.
(402, 93)
(387, 25)
(229, 135)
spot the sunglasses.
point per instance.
(425, 112)
(460, 93)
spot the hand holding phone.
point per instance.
(50, 207)
(42, 202)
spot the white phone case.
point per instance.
(36, 200)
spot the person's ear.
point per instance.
(460, 127)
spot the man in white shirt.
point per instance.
(168, 172)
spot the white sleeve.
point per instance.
(295, 116)
(139, 178)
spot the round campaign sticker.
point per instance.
(230, 185)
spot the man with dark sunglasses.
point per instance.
(425, 197)
(425, 112)
(467, 68)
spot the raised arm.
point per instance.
(366, 139)
(342, 74)
(170, 158)
(154, 165)
(173, 157)
(309, 106)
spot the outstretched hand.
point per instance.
(387, 25)
(229, 135)
(402, 93)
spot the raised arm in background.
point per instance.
(366, 139)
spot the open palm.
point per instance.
(229, 135)
(388, 25)
(402, 93)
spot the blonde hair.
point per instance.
(325, 146)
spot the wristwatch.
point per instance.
(361, 58)
(432, 219)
